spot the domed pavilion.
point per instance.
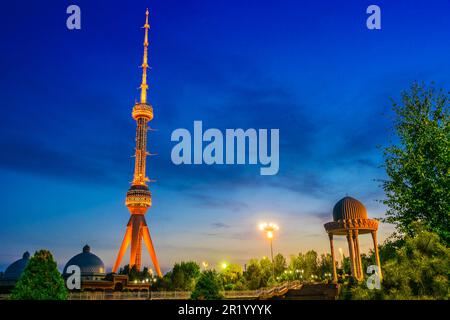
(13, 273)
(350, 219)
(91, 266)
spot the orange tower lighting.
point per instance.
(139, 198)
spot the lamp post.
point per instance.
(269, 229)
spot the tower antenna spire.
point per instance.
(144, 85)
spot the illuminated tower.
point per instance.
(139, 198)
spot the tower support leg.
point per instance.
(151, 249)
(136, 223)
(123, 248)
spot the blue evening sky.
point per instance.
(310, 68)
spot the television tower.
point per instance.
(139, 198)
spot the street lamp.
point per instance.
(269, 229)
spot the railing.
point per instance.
(264, 293)
(170, 295)
(109, 295)
(279, 290)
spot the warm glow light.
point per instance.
(269, 228)
(224, 265)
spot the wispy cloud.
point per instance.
(219, 225)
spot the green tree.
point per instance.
(163, 283)
(279, 263)
(40, 280)
(311, 264)
(253, 275)
(266, 271)
(346, 268)
(134, 274)
(418, 164)
(184, 275)
(232, 276)
(325, 266)
(307, 264)
(208, 287)
(419, 269)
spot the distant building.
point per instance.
(13, 273)
(94, 277)
(91, 266)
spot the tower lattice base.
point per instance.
(137, 230)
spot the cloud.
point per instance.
(219, 225)
(323, 216)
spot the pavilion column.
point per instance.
(377, 255)
(358, 261)
(330, 235)
(351, 250)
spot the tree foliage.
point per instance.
(259, 273)
(40, 280)
(306, 265)
(279, 264)
(134, 274)
(418, 164)
(419, 269)
(232, 277)
(184, 275)
(253, 275)
(208, 287)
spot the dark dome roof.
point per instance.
(349, 208)
(15, 269)
(88, 262)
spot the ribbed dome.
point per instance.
(88, 262)
(349, 208)
(15, 269)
